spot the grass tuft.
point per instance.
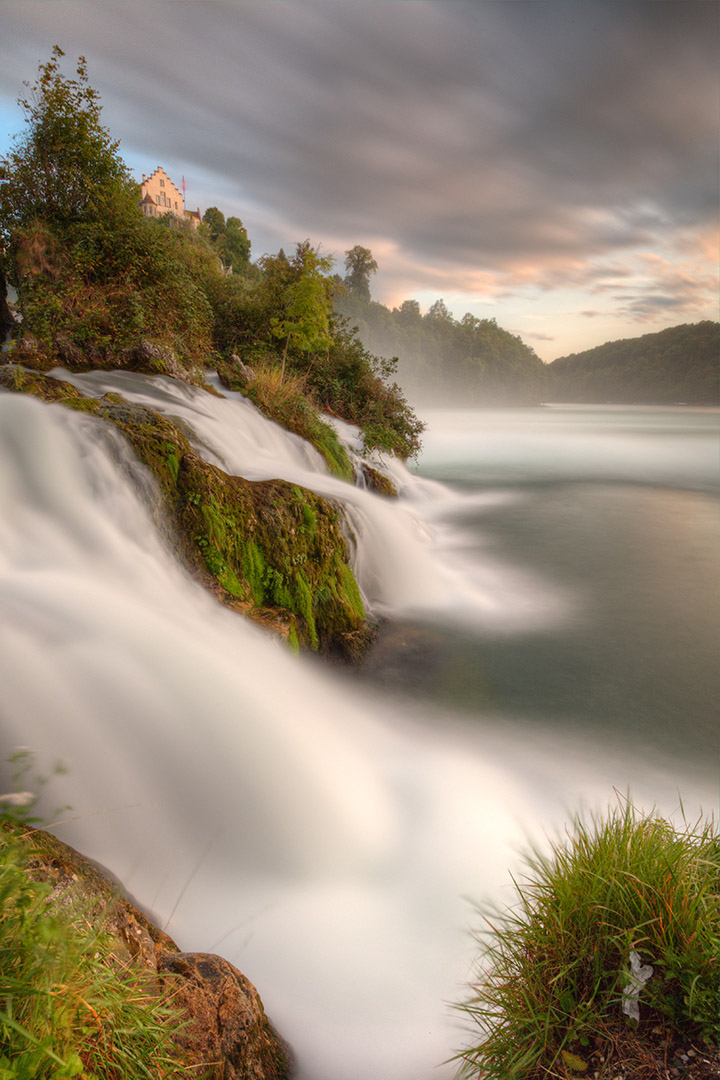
(553, 967)
(68, 1007)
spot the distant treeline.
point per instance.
(679, 365)
(443, 361)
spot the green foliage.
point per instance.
(359, 264)
(353, 385)
(66, 167)
(229, 239)
(444, 361)
(681, 364)
(305, 307)
(67, 1006)
(99, 284)
(554, 966)
(94, 276)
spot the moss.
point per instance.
(292, 640)
(379, 482)
(271, 550)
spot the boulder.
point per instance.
(226, 1034)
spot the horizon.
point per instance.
(549, 165)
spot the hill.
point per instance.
(446, 361)
(678, 365)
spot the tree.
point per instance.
(228, 238)
(65, 168)
(439, 312)
(215, 221)
(410, 310)
(359, 264)
(237, 244)
(307, 303)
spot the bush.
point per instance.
(349, 382)
(554, 967)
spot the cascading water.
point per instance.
(320, 836)
(399, 556)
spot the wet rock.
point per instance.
(151, 357)
(226, 1034)
(227, 1022)
(379, 482)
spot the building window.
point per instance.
(162, 183)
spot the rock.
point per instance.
(227, 1035)
(227, 1020)
(151, 357)
(68, 352)
(379, 482)
(244, 372)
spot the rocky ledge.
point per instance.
(224, 1033)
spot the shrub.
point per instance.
(554, 967)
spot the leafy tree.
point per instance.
(215, 221)
(228, 238)
(237, 245)
(449, 361)
(410, 310)
(65, 167)
(439, 311)
(359, 264)
(307, 304)
(94, 276)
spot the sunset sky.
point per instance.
(552, 164)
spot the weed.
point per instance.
(553, 967)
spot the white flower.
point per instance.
(17, 798)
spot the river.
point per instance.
(548, 589)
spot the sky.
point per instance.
(551, 164)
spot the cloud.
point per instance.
(669, 288)
(536, 336)
(483, 147)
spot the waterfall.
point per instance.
(320, 837)
(405, 560)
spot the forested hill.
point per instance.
(443, 361)
(678, 365)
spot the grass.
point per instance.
(284, 399)
(552, 968)
(68, 1007)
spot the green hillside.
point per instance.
(678, 365)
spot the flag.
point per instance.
(183, 185)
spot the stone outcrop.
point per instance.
(269, 550)
(226, 1034)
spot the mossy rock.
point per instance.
(215, 1017)
(271, 550)
(147, 357)
(379, 482)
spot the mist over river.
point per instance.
(548, 585)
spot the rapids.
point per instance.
(322, 834)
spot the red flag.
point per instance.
(183, 184)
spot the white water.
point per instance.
(404, 561)
(321, 838)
